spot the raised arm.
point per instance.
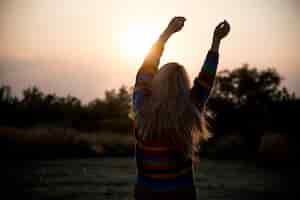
(204, 81)
(150, 65)
(151, 61)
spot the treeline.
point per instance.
(35, 108)
(248, 99)
(245, 99)
(252, 103)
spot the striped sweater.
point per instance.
(162, 170)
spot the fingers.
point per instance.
(176, 24)
(219, 25)
(180, 23)
(224, 26)
(221, 30)
(227, 25)
(179, 18)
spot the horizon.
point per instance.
(84, 48)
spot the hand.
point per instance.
(175, 25)
(221, 30)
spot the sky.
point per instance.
(83, 48)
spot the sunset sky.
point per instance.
(84, 47)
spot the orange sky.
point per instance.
(85, 47)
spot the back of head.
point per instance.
(169, 113)
(170, 83)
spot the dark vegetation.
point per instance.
(246, 105)
(252, 105)
(36, 108)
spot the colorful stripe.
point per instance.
(162, 167)
(206, 77)
(138, 99)
(209, 68)
(155, 166)
(144, 76)
(204, 82)
(152, 148)
(143, 193)
(211, 63)
(163, 185)
(167, 176)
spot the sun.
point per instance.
(136, 40)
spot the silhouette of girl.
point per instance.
(168, 118)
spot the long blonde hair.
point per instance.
(170, 113)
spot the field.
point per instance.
(113, 178)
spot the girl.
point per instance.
(169, 121)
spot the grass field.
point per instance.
(98, 143)
(113, 178)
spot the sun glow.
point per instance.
(137, 39)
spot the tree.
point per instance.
(250, 101)
(5, 94)
(248, 85)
